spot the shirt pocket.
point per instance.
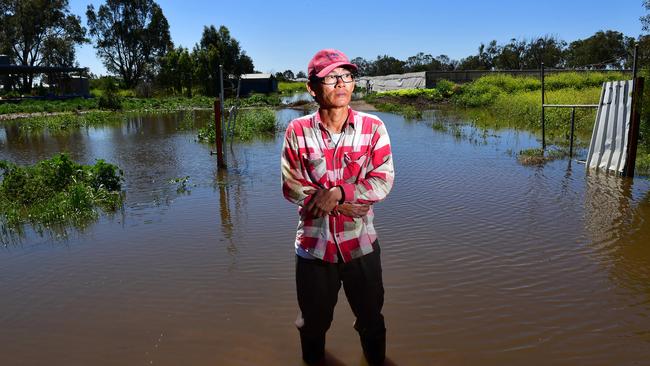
(354, 166)
(315, 167)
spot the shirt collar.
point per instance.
(350, 121)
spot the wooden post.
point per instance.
(635, 124)
(218, 135)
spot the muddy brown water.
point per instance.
(486, 262)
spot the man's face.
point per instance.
(333, 95)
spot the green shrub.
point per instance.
(445, 88)
(249, 123)
(291, 87)
(428, 94)
(57, 191)
(109, 98)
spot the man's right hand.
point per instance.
(353, 210)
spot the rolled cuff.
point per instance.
(348, 191)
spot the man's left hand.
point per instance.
(323, 201)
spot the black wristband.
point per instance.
(342, 200)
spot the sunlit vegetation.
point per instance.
(291, 87)
(249, 123)
(57, 191)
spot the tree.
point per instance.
(447, 64)
(364, 67)
(386, 65)
(603, 49)
(131, 37)
(288, 75)
(176, 71)
(39, 33)
(547, 49)
(645, 20)
(511, 56)
(216, 48)
(301, 75)
(482, 61)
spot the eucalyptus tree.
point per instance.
(218, 47)
(130, 37)
(39, 33)
(511, 55)
(546, 49)
(645, 20)
(607, 49)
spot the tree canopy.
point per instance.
(39, 33)
(130, 37)
(603, 49)
(217, 47)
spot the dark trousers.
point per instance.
(318, 284)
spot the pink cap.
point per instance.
(324, 61)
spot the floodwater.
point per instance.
(486, 261)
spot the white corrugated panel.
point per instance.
(411, 80)
(609, 140)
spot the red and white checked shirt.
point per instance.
(361, 163)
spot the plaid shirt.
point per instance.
(361, 163)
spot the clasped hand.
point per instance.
(324, 201)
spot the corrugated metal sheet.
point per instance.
(609, 141)
(412, 80)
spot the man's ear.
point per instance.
(310, 90)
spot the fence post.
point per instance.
(218, 134)
(635, 122)
(543, 121)
(573, 118)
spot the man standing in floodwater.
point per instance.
(336, 163)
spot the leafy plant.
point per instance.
(57, 191)
(249, 123)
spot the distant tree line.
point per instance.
(131, 38)
(605, 49)
(133, 41)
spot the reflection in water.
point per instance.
(618, 224)
(485, 261)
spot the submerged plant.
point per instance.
(57, 191)
(249, 123)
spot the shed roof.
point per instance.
(21, 69)
(256, 76)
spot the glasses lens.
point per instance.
(330, 79)
(333, 79)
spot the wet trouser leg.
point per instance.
(364, 289)
(318, 284)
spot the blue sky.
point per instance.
(285, 34)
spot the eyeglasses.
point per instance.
(334, 79)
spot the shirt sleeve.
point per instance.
(378, 181)
(294, 183)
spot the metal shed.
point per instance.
(257, 83)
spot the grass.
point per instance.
(66, 121)
(291, 87)
(506, 101)
(47, 106)
(249, 123)
(57, 191)
(537, 156)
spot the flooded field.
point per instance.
(486, 261)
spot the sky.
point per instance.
(284, 35)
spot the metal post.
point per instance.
(543, 121)
(573, 118)
(217, 135)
